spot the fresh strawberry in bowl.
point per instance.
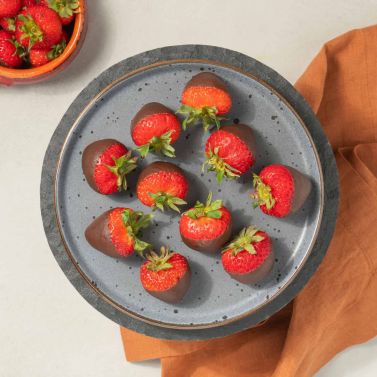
(38, 27)
(11, 53)
(280, 190)
(166, 276)
(66, 9)
(162, 185)
(155, 128)
(106, 164)
(10, 8)
(249, 257)
(115, 232)
(230, 151)
(207, 226)
(205, 99)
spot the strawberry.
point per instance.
(204, 99)
(206, 227)
(280, 190)
(28, 3)
(42, 57)
(105, 164)
(66, 9)
(38, 27)
(166, 276)
(11, 52)
(230, 151)
(249, 257)
(8, 24)
(155, 128)
(115, 232)
(162, 184)
(9, 8)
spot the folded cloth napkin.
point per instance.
(338, 307)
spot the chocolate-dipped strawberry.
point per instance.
(280, 190)
(206, 227)
(249, 257)
(204, 99)
(155, 128)
(166, 276)
(230, 151)
(105, 164)
(116, 231)
(162, 185)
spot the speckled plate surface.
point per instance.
(286, 132)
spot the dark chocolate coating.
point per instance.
(90, 157)
(159, 166)
(207, 79)
(209, 246)
(259, 274)
(303, 186)
(176, 293)
(98, 236)
(149, 109)
(243, 132)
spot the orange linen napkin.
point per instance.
(338, 308)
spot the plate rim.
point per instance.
(131, 67)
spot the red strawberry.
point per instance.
(162, 184)
(28, 3)
(10, 52)
(249, 257)
(280, 190)
(38, 27)
(204, 98)
(9, 8)
(115, 232)
(230, 151)
(154, 128)
(8, 24)
(105, 164)
(166, 276)
(42, 57)
(66, 9)
(206, 227)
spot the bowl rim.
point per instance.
(30, 73)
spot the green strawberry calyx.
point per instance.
(30, 30)
(209, 209)
(65, 8)
(20, 50)
(244, 241)
(123, 166)
(217, 164)
(159, 262)
(11, 23)
(206, 115)
(262, 194)
(135, 221)
(163, 200)
(56, 50)
(159, 144)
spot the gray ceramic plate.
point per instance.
(215, 304)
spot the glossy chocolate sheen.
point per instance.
(259, 274)
(150, 109)
(98, 236)
(207, 79)
(90, 157)
(303, 186)
(243, 132)
(176, 293)
(159, 166)
(209, 246)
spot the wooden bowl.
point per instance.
(9, 76)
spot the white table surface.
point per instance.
(46, 328)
